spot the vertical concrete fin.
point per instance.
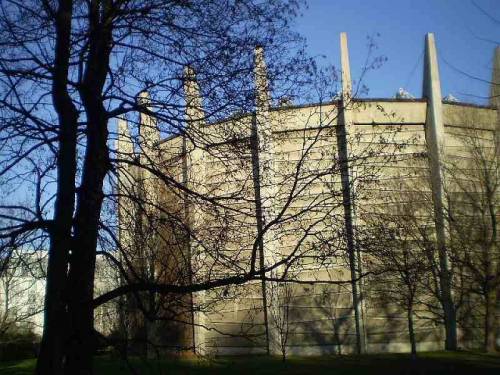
(125, 184)
(495, 79)
(194, 103)
(495, 94)
(435, 139)
(265, 191)
(346, 69)
(194, 178)
(263, 135)
(344, 148)
(434, 127)
(124, 145)
(432, 92)
(149, 137)
(148, 126)
(261, 81)
(263, 129)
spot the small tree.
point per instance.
(399, 254)
(472, 192)
(330, 298)
(282, 297)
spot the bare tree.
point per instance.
(472, 194)
(400, 252)
(282, 295)
(67, 69)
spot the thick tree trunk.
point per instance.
(51, 356)
(82, 342)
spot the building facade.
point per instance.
(293, 192)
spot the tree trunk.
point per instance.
(82, 340)
(411, 332)
(50, 359)
(490, 321)
(450, 325)
(82, 263)
(81, 346)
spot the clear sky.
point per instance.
(458, 25)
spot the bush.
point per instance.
(19, 344)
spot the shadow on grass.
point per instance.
(428, 363)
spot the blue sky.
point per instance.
(458, 26)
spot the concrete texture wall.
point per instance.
(391, 145)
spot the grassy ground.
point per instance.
(427, 363)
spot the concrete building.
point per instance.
(300, 183)
(22, 293)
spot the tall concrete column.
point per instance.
(495, 102)
(435, 139)
(149, 134)
(495, 92)
(265, 192)
(126, 211)
(148, 214)
(194, 179)
(149, 138)
(126, 180)
(124, 143)
(344, 132)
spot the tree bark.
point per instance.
(50, 359)
(82, 263)
(411, 332)
(82, 342)
(490, 321)
(450, 324)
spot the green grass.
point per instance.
(472, 363)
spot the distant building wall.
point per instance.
(24, 282)
(385, 141)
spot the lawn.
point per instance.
(427, 363)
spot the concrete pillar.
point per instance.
(495, 102)
(344, 134)
(148, 213)
(435, 139)
(345, 75)
(265, 191)
(149, 138)
(434, 133)
(124, 144)
(194, 179)
(495, 79)
(149, 134)
(126, 181)
(495, 92)
(126, 186)
(195, 115)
